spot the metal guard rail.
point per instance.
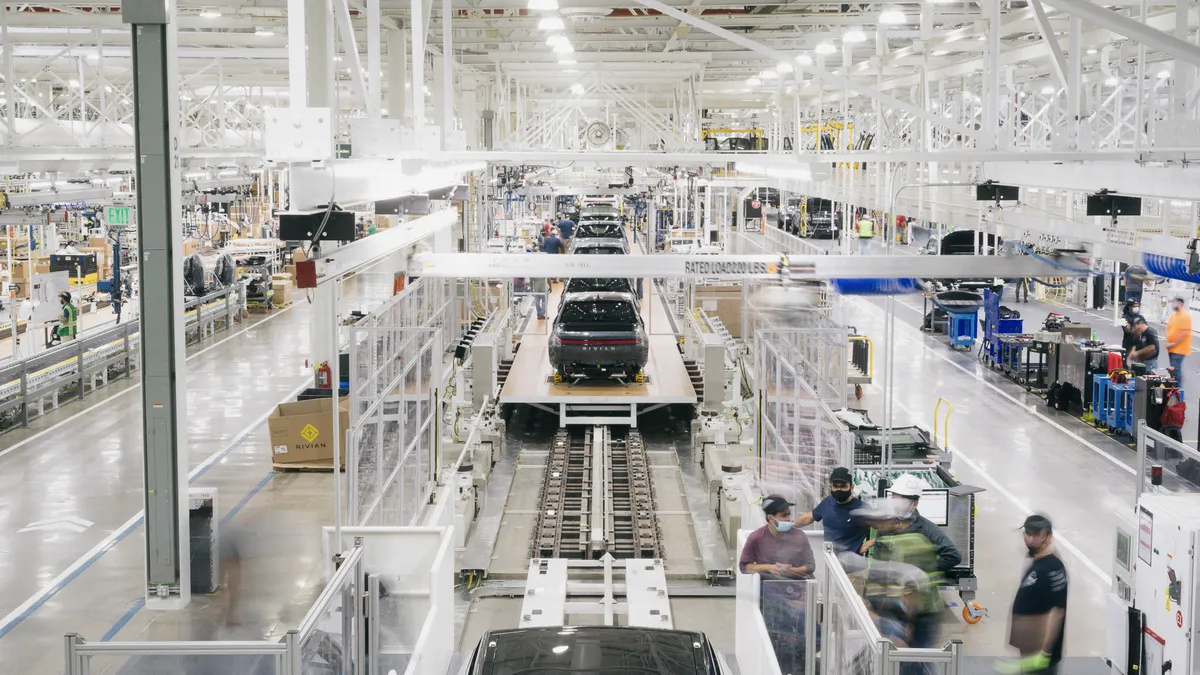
(76, 361)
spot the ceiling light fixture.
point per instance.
(577, 89)
(826, 48)
(1048, 90)
(804, 59)
(753, 82)
(940, 52)
(1112, 81)
(854, 35)
(210, 14)
(551, 23)
(891, 17)
(1163, 74)
(1092, 51)
(564, 48)
(556, 39)
(784, 68)
(768, 75)
(264, 32)
(543, 5)
(568, 61)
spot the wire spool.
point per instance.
(876, 286)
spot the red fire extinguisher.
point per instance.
(324, 376)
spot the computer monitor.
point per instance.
(935, 505)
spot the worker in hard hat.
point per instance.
(905, 493)
(866, 230)
(901, 542)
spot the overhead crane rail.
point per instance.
(504, 265)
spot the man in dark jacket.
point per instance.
(906, 492)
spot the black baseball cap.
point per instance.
(772, 504)
(841, 475)
(1036, 524)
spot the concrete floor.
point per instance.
(85, 461)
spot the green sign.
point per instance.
(118, 215)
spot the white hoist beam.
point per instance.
(536, 265)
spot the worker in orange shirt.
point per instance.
(1179, 338)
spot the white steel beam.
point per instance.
(374, 65)
(1057, 63)
(1134, 30)
(490, 265)
(819, 73)
(297, 54)
(341, 11)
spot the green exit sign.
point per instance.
(118, 215)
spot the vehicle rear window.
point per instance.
(623, 653)
(584, 285)
(600, 229)
(598, 311)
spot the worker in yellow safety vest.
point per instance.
(70, 318)
(866, 230)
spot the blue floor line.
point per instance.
(141, 602)
(125, 618)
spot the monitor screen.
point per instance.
(1123, 544)
(935, 505)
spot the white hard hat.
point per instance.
(908, 485)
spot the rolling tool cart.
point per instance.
(995, 326)
(1112, 401)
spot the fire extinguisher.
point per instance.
(324, 376)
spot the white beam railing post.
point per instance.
(447, 72)
(297, 54)
(418, 68)
(374, 88)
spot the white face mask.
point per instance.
(903, 506)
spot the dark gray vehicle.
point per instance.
(604, 228)
(598, 335)
(599, 246)
(594, 650)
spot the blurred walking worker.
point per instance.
(1039, 612)
(1179, 338)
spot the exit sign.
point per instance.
(118, 215)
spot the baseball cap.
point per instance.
(772, 504)
(841, 475)
(1036, 524)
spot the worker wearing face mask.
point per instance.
(778, 550)
(905, 493)
(836, 515)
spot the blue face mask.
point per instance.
(783, 525)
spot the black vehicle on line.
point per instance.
(599, 246)
(594, 650)
(598, 227)
(599, 335)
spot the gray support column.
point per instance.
(436, 84)
(397, 74)
(156, 119)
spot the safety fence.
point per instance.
(819, 352)
(397, 354)
(387, 606)
(799, 439)
(823, 626)
(34, 385)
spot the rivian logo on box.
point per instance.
(309, 433)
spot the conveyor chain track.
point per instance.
(568, 509)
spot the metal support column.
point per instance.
(155, 122)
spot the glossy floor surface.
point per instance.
(84, 461)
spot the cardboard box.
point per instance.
(97, 242)
(41, 266)
(301, 431)
(298, 255)
(282, 291)
(281, 276)
(290, 270)
(190, 246)
(723, 302)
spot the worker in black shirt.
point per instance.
(1145, 346)
(1039, 612)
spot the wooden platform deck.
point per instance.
(529, 381)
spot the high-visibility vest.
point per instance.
(866, 227)
(70, 319)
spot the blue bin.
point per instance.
(962, 328)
